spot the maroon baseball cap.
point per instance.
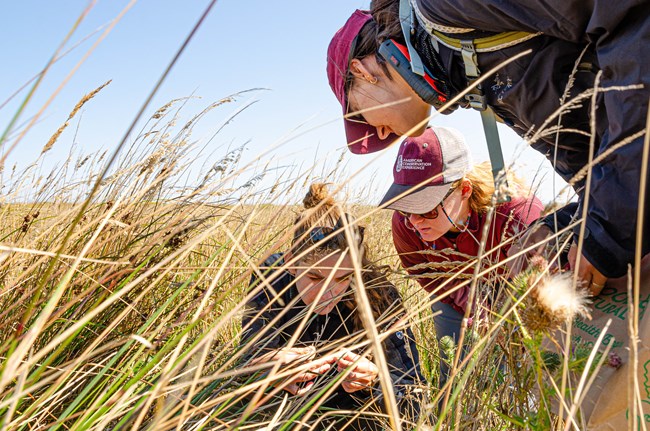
(362, 137)
(425, 169)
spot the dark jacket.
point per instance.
(435, 260)
(615, 40)
(280, 300)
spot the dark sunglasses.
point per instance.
(433, 214)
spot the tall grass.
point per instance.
(135, 323)
(121, 296)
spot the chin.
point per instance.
(429, 237)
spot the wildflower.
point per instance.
(614, 360)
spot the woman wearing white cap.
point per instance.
(441, 205)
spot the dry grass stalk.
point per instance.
(155, 343)
(82, 102)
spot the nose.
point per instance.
(415, 218)
(338, 288)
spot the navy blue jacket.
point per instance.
(615, 39)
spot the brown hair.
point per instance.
(483, 186)
(320, 230)
(386, 14)
(366, 44)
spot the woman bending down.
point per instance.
(304, 313)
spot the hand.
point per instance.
(301, 382)
(536, 235)
(594, 280)
(288, 355)
(362, 375)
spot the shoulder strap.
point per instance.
(469, 47)
(491, 43)
(407, 21)
(483, 41)
(476, 99)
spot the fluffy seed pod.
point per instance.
(553, 300)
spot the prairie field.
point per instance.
(122, 291)
(125, 274)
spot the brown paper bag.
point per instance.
(606, 405)
(613, 410)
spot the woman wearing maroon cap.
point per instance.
(574, 47)
(441, 208)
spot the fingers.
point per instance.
(320, 368)
(593, 279)
(304, 377)
(350, 387)
(328, 361)
(296, 389)
(347, 357)
(299, 384)
(355, 382)
(288, 355)
(331, 358)
(303, 353)
(364, 378)
(362, 374)
(313, 372)
(597, 282)
(305, 388)
(360, 365)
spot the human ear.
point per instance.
(466, 188)
(361, 71)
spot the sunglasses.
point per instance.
(433, 214)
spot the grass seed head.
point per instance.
(553, 300)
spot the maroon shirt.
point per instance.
(445, 256)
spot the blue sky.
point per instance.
(244, 44)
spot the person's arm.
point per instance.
(611, 225)
(403, 360)
(404, 365)
(619, 38)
